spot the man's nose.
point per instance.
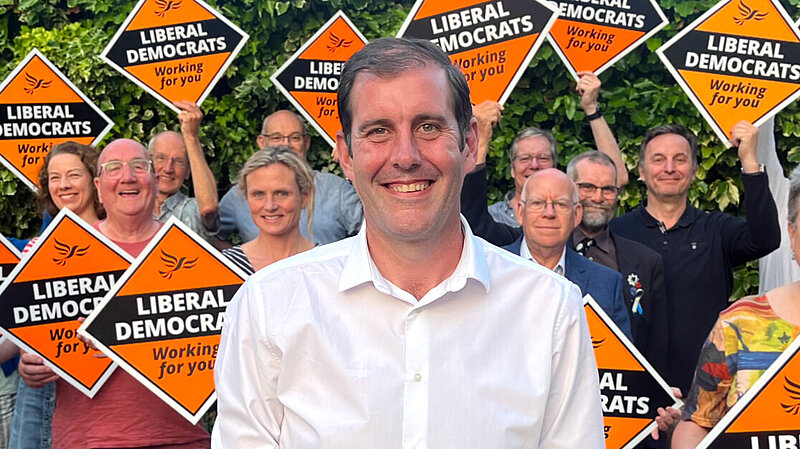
(406, 153)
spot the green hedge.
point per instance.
(638, 93)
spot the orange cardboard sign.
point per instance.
(310, 78)
(175, 50)
(9, 257)
(162, 321)
(630, 388)
(64, 275)
(738, 61)
(593, 36)
(767, 416)
(492, 42)
(39, 108)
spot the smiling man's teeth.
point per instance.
(410, 187)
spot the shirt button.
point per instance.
(417, 377)
(665, 242)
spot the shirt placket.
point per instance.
(416, 393)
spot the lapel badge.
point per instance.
(636, 292)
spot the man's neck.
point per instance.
(417, 267)
(160, 198)
(666, 210)
(129, 230)
(547, 257)
(591, 232)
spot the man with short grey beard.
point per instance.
(594, 174)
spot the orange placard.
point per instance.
(593, 36)
(162, 321)
(64, 275)
(630, 389)
(738, 61)
(175, 50)
(768, 415)
(492, 42)
(39, 108)
(310, 78)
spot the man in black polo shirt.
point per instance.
(699, 249)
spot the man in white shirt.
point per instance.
(414, 333)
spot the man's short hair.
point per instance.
(592, 156)
(296, 115)
(533, 131)
(671, 129)
(794, 196)
(389, 57)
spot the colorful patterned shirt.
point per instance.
(747, 337)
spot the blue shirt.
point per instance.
(337, 212)
(699, 255)
(502, 212)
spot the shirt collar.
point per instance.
(687, 217)
(359, 268)
(525, 253)
(602, 240)
(173, 200)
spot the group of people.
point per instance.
(443, 321)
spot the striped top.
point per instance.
(239, 258)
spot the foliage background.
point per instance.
(638, 93)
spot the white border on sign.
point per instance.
(690, 93)
(639, 358)
(751, 394)
(158, 96)
(5, 242)
(525, 61)
(274, 78)
(49, 64)
(635, 44)
(65, 214)
(173, 222)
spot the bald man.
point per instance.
(337, 209)
(177, 157)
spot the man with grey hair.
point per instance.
(644, 293)
(177, 157)
(337, 209)
(699, 249)
(413, 332)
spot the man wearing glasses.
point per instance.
(176, 157)
(642, 271)
(337, 209)
(549, 211)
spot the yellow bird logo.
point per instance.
(337, 42)
(748, 13)
(174, 264)
(67, 252)
(793, 391)
(167, 6)
(34, 83)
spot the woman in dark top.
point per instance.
(278, 185)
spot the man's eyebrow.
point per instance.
(381, 122)
(430, 118)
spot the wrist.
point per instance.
(593, 116)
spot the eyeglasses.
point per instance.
(178, 162)
(588, 189)
(561, 206)
(278, 138)
(526, 159)
(113, 169)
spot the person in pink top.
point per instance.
(123, 413)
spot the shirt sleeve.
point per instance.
(227, 215)
(351, 211)
(760, 233)
(573, 417)
(707, 400)
(246, 375)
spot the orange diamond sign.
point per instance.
(66, 273)
(310, 78)
(593, 36)
(174, 49)
(39, 108)
(492, 42)
(630, 388)
(768, 415)
(162, 321)
(738, 61)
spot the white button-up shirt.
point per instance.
(321, 351)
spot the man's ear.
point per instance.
(261, 141)
(578, 215)
(97, 189)
(345, 160)
(471, 146)
(516, 204)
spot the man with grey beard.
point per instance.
(595, 175)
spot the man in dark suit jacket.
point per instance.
(549, 211)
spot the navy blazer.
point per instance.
(603, 283)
